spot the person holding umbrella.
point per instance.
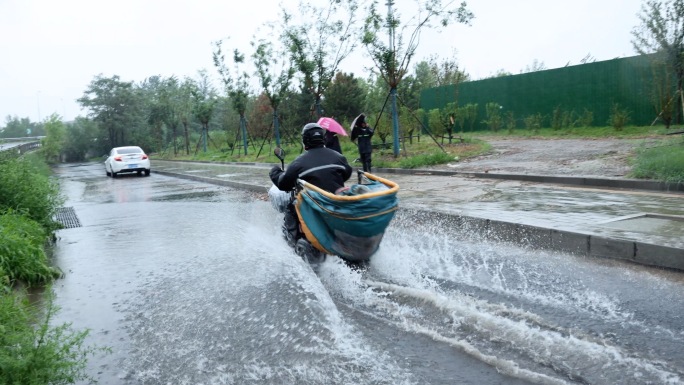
(332, 128)
(362, 132)
(332, 141)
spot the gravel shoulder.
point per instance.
(605, 157)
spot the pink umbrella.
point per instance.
(331, 125)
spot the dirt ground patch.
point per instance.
(606, 157)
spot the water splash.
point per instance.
(544, 317)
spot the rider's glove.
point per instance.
(275, 173)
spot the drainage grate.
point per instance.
(67, 217)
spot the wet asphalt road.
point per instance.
(190, 283)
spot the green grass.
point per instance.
(411, 155)
(664, 163)
(428, 153)
(578, 132)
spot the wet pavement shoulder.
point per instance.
(631, 220)
(622, 183)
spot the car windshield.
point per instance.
(129, 150)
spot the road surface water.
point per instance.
(190, 283)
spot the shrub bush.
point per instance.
(22, 254)
(32, 351)
(24, 187)
(35, 353)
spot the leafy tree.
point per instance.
(318, 45)
(494, 119)
(115, 106)
(166, 100)
(392, 59)
(205, 100)
(447, 117)
(588, 59)
(470, 115)
(157, 109)
(376, 100)
(261, 117)
(275, 71)
(236, 83)
(51, 145)
(499, 74)
(435, 121)
(662, 32)
(662, 96)
(411, 121)
(295, 112)
(431, 73)
(446, 72)
(376, 95)
(534, 67)
(345, 97)
(173, 97)
(227, 120)
(460, 118)
(81, 139)
(184, 103)
(410, 88)
(406, 120)
(19, 128)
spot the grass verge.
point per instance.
(32, 350)
(664, 162)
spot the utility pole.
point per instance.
(38, 97)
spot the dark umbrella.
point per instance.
(361, 116)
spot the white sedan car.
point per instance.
(127, 159)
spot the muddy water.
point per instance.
(192, 284)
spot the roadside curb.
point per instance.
(576, 243)
(633, 184)
(219, 182)
(620, 183)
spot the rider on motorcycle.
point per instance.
(318, 165)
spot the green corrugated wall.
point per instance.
(594, 86)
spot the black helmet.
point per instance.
(313, 135)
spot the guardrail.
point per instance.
(22, 139)
(21, 148)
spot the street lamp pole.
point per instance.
(38, 97)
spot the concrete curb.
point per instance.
(569, 242)
(219, 182)
(526, 235)
(633, 184)
(621, 183)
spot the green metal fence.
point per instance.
(593, 87)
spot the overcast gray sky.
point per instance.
(52, 49)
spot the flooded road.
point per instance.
(190, 283)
